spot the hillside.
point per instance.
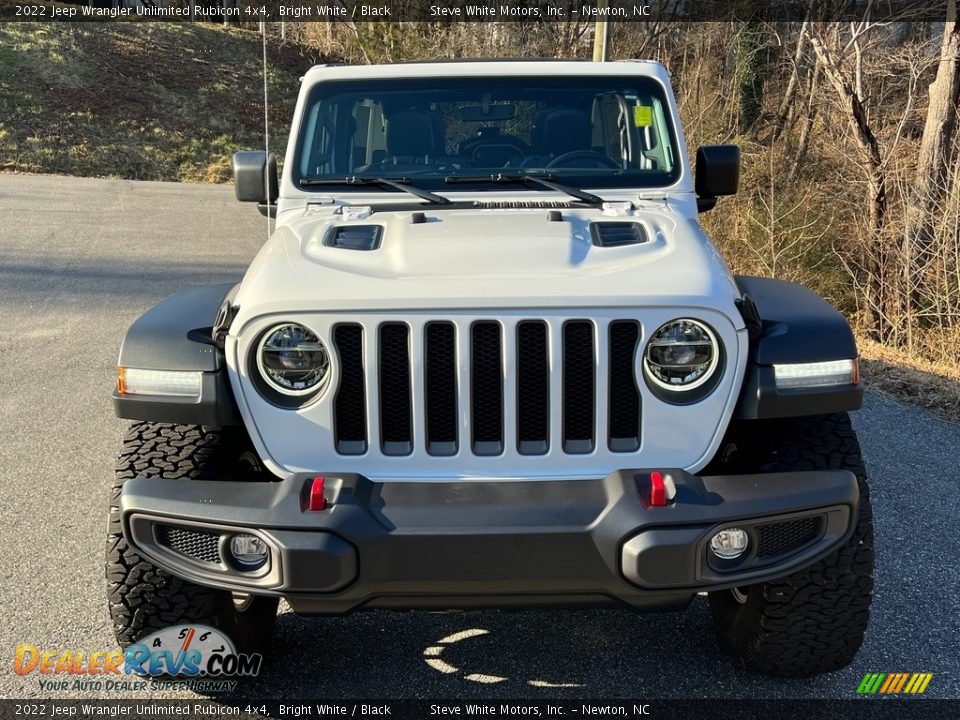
(146, 101)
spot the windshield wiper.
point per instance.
(543, 181)
(401, 183)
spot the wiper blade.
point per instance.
(402, 183)
(543, 181)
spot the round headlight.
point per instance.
(681, 355)
(292, 360)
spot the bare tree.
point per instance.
(786, 102)
(843, 67)
(806, 125)
(931, 182)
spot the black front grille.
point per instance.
(790, 536)
(396, 434)
(452, 397)
(440, 380)
(623, 398)
(195, 544)
(486, 384)
(349, 405)
(578, 387)
(533, 388)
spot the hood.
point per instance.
(486, 258)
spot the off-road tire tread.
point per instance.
(142, 598)
(814, 620)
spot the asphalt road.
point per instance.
(80, 259)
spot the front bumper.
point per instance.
(469, 544)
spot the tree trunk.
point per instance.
(932, 178)
(787, 101)
(806, 128)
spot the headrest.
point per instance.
(410, 133)
(564, 130)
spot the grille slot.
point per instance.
(533, 388)
(395, 405)
(486, 388)
(349, 405)
(790, 536)
(195, 544)
(440, 380)
(623, 397)
(578, 387)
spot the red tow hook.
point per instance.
(316, 499)
(662, 489)
(658, 490)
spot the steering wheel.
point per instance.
(583, 155)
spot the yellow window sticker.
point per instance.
(643, 116)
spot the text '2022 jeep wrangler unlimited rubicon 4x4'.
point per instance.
(489, 359)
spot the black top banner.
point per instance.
(360, 11)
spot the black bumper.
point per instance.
(465, 544)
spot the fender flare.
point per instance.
(177, 334)
(790, 324)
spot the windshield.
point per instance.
(588, 130)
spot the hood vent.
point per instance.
(507, 204)
(617, 234)
(354, 237)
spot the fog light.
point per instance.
(729, 543)
(248, 551)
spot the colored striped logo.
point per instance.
(894, 683)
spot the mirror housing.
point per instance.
(255, 176)
(718, 173)
(487, 113)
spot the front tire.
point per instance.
(142, 598)
(814, 620)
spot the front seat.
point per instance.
(562, 131)
(411, 140)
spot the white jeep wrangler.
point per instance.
(489, 359)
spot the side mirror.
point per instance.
(255, 176)
(718, 173)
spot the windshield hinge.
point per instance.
(318, 204)
(654, 198)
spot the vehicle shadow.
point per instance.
(516, 654)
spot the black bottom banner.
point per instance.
(853, 709)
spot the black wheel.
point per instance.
(143, 598)
(813, 621)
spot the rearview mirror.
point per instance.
(487, 113)
(255, 176)
(718, 173)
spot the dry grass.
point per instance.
(146, 101)
(934, 386)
